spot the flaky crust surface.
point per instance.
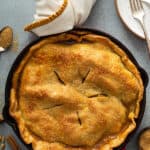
(75, 91)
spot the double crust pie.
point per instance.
(75, 91)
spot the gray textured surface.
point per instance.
(17, 13)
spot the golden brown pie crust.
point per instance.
(41, 22)
(75, 91)
(144, 140)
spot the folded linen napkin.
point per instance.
(56, 16)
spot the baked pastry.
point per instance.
(75, 91)
(144, 139)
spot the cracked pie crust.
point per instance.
(75, 91)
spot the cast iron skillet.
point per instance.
(144, 76)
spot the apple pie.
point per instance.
(75, 91)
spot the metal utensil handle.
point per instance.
(146, 35)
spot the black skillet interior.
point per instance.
(144, 76)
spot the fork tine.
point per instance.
(132, 5)
(139, 2)
(135, 5)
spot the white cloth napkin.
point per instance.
(74, 14)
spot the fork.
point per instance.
(139, 14)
